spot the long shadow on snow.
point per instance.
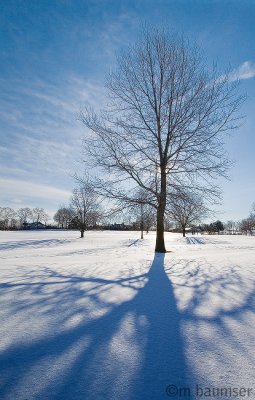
(133, 352)
(32, 243)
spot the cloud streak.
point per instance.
(22, 188)
(245, 71)
(43, 140)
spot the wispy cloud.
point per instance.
(45, 160)
(48, 104)
(245, 71)
(21, 188)
(21, 193)
(43, 141)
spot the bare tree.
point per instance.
(45, 218)
(38, 215)
(149, 217)
(24, 214)
(252, 219)
(58, 217)
(248, 225)
(140, 209)
(63, 217)
(7, 217)
(232, 227)
(229, 226)
(252, 213)
(164, 125)
(186, 209)
(84, 204)
(145, 216)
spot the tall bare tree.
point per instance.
(164, 124)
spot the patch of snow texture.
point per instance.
(104, 318)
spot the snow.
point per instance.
(103, 318)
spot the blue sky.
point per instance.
(54, 57)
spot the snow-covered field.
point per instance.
(102, 318)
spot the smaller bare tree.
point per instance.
(7, 217)
(252, 214)
(85, 205)
(38, 215)
(58, 218)
(232, 227)
(45, 218)
(186, 209)
(139, 206)
(63, 217)
(248, 224)
(24, 214)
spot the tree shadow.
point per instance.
(32, 243)
(133, 351)
(194, 240)
(218, 312)
(130, 349)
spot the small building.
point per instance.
(33, 225)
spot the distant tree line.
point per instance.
(245, 226)
(212, 228)
(23, 218)
(85, 211)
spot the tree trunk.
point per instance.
(141, 222)
(160, 240)
(183, 232)
(82, 233)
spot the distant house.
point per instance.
(33, 225)
(117, 227)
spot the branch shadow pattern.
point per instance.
(132, 350)
(194, 240)
(220, 313)
(32, 243)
